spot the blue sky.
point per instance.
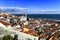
(32, 4)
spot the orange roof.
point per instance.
(5, 23)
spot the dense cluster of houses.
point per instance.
(42, 28)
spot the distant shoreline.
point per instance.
(47, 16)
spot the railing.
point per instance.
(21, 36)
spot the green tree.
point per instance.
(7, 37)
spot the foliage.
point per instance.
(1, 38)
(7, 37)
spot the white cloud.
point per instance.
(28, 11)
(17, 8)
(20, 8)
